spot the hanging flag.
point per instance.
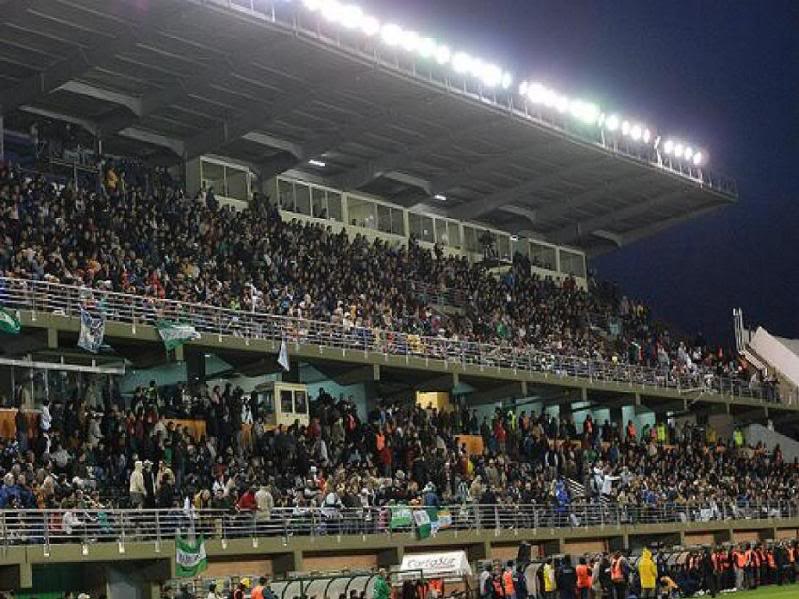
(400, 517)
(443, 519)
(424, 527)
(9, 323)
(283, 356)
(174, 334)
(190, 558)
(92, 331)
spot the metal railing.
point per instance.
(67, 300)
(46, 527)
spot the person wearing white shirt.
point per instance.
(45, 419)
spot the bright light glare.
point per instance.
(523, 88)
(427, 47)
(443, 55)
(507, 80)
(351, 16)
(647, 135)
(689, 152)
(440, 197)
(635, 132)
(698, 158)
(612, 122)
(391, 34)
(668, 147)
(678, 150)
(625, 127)
(312, 5)
(370, 26)
(410, 40)
(461, 62)
(318, 163)
(587, 112)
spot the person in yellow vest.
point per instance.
(648, 573)
(550, 586)
(661, 432)
(738, 438)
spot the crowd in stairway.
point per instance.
(135, 231)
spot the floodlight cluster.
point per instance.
(613, 126)
(352, 17)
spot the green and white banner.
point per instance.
(400, 517)
(9, 323)
(424, 528)
(174, 334)
(190, 558)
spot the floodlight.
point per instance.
(537, 93)
(427, 47)
(612, 122)
(507, 80)
(587, 112)
(312, 5)
(369, 25)
(635, 132)
(698, 158)
(490, 75)
(625, 128)
(668, 147)
(646, 135)
(351, 16)
(523, 88)
(410, 40)
(688, 153)
(332, 11)
(562, 103)
(440, 197)
(678, 150)
(319, 163)
(442, 55)
(461, 62)
(391, 34)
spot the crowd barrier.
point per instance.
(88, 526)
(67, 300)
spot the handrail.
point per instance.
(45, 527)
(67, 300)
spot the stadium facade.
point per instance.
(363, 133)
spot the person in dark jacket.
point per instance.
(520, 583)
(567, 579)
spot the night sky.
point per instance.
(724, 74)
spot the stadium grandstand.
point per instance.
(295, 303)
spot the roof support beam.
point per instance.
(392, 161)
(82, 60)
(484, 205)
(154, 138)
(572, 233)
(84, 89)
(87, 125)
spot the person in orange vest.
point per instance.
(773, 575)
(258, 590)
(752, 566)
(619, 569)
(507, 582)
(792, 562)
(739, 563)
(583, 579)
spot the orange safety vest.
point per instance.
(616, 571)
(791, 555)
(583, 577)
(751, 557)
(740, 558)
(771, 561)
(437, 584)
(507, 582)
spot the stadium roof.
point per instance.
(274, 85)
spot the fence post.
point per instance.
(157, 531)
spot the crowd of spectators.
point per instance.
(135, 231)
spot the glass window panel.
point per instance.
(285, 195)
(236, 184)
(362, 213)
(383, 218)
(286, 401)
(571, 263)
(471, 243)
(421, 227)
(300, 402)
(318, 203)
(442, 235)
(454, 233)
(334, 206)
(397, 222)
(503, 247)
(302, 199)
(542, 256)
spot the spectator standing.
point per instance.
(648, 572)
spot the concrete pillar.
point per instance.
(195, 368)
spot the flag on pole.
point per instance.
(283, 356)
(9, 323)
(92, 331)
(190, 558)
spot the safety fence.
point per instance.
(129, 525)
(67, 300)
